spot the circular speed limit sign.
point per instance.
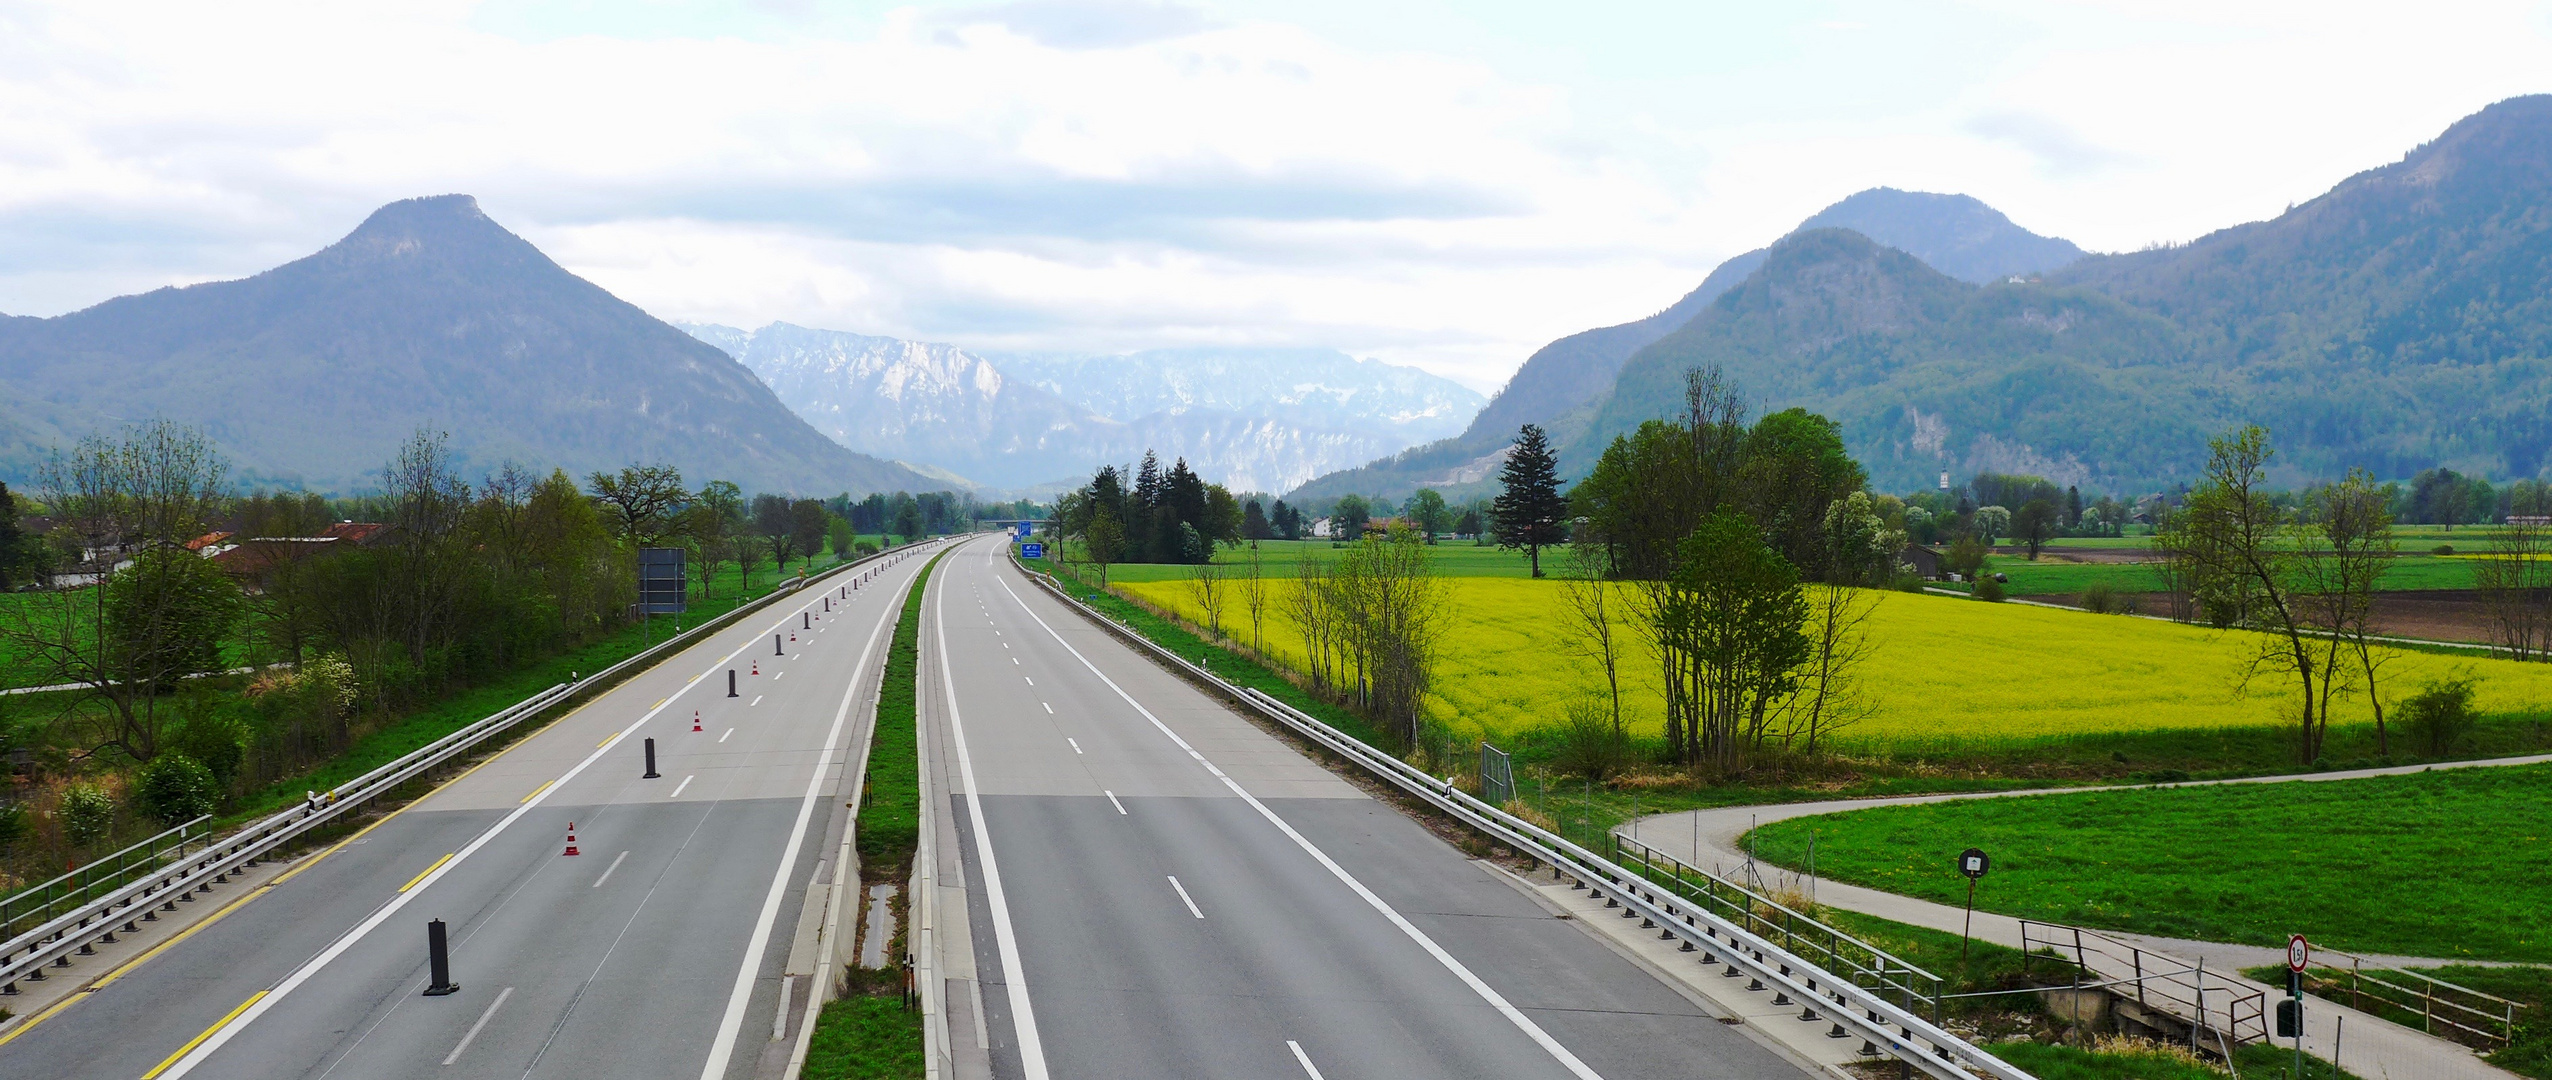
(2297, 952)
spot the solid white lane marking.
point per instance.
(1305, 1059)
(677, 788)
(256, 1007)
(1112, 801)
(723, 1047)
(1461, 971)
(1023, 1013)
(1185, 898)
(723, 738)
(615, 865)
(492, 1006)
(1076, 743)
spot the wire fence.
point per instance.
(2413, 999)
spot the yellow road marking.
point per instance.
(537, 791)
(191, 1044)
(41, 1017)
(607, 740)
(438, 863)
(660, 703)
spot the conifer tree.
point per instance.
(1531, 514)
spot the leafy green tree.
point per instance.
(908, 520)
(837, 532)
(1347, 519)
(1990, 523)
(1795, 468)
(2440, 714)
(176, 788)
(1530, 512)
(1736, 619)
(2034, 525)
(1254, 523)
(808, 521)
(1427, 511)
(167, 616)
(645, 500)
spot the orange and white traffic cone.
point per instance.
(757, 668)
(571, 839)
(695, 719)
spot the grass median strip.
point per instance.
(872, 1033)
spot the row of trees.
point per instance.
(1168, 516)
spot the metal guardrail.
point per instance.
(38, 904)
(1885, 1026)
(2465, 1015)
(1867, 965)
(53, 943)
(2221, 1009)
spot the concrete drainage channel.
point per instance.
(1885, 1028)
(42, 954)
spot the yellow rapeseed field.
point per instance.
(1944, 668)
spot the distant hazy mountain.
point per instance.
(2400, 321)
(1253, 427)
(1320, 388)
(1561, 385)
(427, 316)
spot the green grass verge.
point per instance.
(2424, 864)
(890, 816)
(865, 1038)
(2145, 1061)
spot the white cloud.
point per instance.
(1448, 185)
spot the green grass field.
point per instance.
(2444, 864)
(1946, 671)
(1283, 558)
(2050, 574)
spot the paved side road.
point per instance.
(654, 952)
(2372, 1047)
(1153, 887)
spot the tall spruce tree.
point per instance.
(1531, 514)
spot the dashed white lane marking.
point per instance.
(1112, 801)
(1049, 708)
(757, 699)
(492, 1006)
(723, 738)
(1031, 682)
(1305, 1059)
(1076, 743)
(677, 788)
(1184, 898)
(615, 865)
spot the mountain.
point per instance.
(1252, 421)
(2401, 320)
(1562, 384)
(1317, 388)
(429, 315)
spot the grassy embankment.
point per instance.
(2440, 864)
(870, 1033)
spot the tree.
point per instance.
(2342, 574)
(2441, 497)
(1468, 524)
(1991, 522)
(1254, 524)
(644, 498)
(774, 525)
(1254, 596)
(1105, 541)
(837, 531)
(12, 540)
(2236, 548)
(2034, 525)
(2515, 582)
(1287, 521)
(1207, 587)
(1735, 616)
(1427, 511)
(1530, 512)
(710, 527)
(167, 616)
(2073, 507)
(1348, 518)
(1593, 630)
(807, 522)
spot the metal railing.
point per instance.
(38, 904)
(1867, 965)
(1885, 1026)
(76, 932)
(2409, 998)
(2215, 1007)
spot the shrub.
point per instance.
(2442, 549)
(1589, 744)
(1989, 589)
(2100, 597)
(217, 739)
(14, 826)
(87, 813)
(2440, 714)
(864, 548)
(177, 788)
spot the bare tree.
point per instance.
(2342, 575)
(1589, 610)
(2515, 582)
(1207, 588)
(1254, 597)
(1309, 602)
(2237, 549)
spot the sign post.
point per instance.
(1974, 863)
(2290, 1012)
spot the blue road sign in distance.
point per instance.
(1032, 551)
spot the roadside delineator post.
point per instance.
(438, 957)
(731, 683)
(778, 649)
(651, 773)
(806, 620)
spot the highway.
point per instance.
(1137, 883)
(657, 951)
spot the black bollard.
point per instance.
(776, 650)
(806, 620)
(438, 959)
(731, 683)
(651, 761)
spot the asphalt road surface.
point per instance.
(1154, 887)
(655, 952)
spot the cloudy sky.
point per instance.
(1446, 184)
